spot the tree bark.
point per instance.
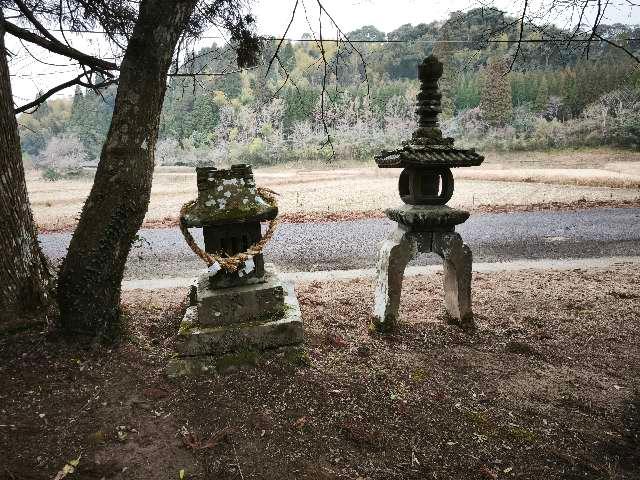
(24, 272)
(91, 274)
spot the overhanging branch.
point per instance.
(61, 49)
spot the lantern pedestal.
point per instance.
(251, 317)
(423, 229)
(237, 320)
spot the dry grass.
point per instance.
(504, 179)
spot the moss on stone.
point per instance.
(200, 214)
(387, 326)
(277, 313)
(297, 357)
(186, 326)
(237, 359)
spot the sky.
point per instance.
(387, 15)
(31, 76)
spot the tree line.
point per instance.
(255, 115)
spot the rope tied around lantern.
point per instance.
(232, 263)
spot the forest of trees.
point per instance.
(554, 95)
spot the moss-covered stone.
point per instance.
(432, 217)
(227, 195)
(224, 363)
(289, 357)
(277, 328)
(297, 356)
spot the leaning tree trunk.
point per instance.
(91, 274)
(24, 273)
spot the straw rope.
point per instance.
(232, 263)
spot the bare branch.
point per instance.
(520, 35)
(27, 13)
(76, 81)
(211, 74)
(349, 42)
(323, 93)
(617, 45)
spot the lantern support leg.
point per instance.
(457, 259)
(396, 252)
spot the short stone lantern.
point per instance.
(238, 304)
(425, 224)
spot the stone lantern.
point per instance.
(424, 223)
(232, 310)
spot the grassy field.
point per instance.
(505, 180)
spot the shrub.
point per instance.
(51, 174)
(62, 157)
(524, 119)
(548, 134)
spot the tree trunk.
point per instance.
(91, 274)
(24, 272)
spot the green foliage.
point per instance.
(613, 119)
(49, 120)
(52, 174)
(368, 32)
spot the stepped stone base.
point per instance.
(234, 323)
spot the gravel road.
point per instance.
(499, 237)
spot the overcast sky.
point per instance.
(387, 15)
(30, 76)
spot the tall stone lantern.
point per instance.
(424, 223)
(238, 305)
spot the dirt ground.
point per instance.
(546, 387)
(504, 180)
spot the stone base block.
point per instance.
(282, 328)
(247, 303)
(294, 356)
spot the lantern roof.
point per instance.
(427, 147)
(227, 196)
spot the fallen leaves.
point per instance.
(359, 434)
(68, 468)
(336, 340)
(300, 423)
(155, 393)
(192, 441)
(121, 432)
(486, 472)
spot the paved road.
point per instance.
(350, 245)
